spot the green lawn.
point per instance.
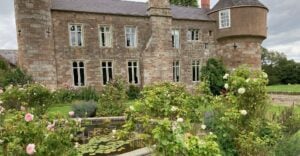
(284, 88)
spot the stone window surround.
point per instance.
(189, 38)
(101, 68)
(228, 21)
(136, 36)
(196, 65)
(174, 43)
(176, 70)
(82, 35)
(111, 35)
(85, 76)
(138, 71)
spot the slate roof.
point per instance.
(122, 7)
(223, 4)
(9, 55)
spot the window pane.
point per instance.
(104, 75)
(75, 64)
(130, 74)
(110, 74)
(75, 76)
(81, 64)
(82, 77)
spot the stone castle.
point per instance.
(90, 42)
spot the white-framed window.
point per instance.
(193, 35)
(196, 67)
(76, 35)
(175, 38)
(131, 36)
(105, 35)
(107, 71)
(78, 73)
(224, 19)
(176, 71)
(133, 72)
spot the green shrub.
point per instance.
(289, 146)
(290, 119)
(133, 92)
(33, 96)
(113, 98)
(49, 137)
(67, 95)
(213, 72)
(84, 108)
(17, 77)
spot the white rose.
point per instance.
(203, 127)
(248, 80)
(243, 112)
(226, 76)
(180, 120)
(114, 131)
(132, 108)
(1, 102)
(226, 86)
(265, 75)
(174, 108)
(1, 91)
(241, 90)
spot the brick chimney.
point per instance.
(205, 4)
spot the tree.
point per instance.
(193, 3)
(213, 72)
(279, 68)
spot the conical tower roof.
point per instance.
(224, 4)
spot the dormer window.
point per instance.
(224, 19)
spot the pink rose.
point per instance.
(28, 117)
(71, 113)
(30, 149)
(50, 126)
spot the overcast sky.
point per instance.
(283, 26)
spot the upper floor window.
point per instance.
(76, 35)
(196, 70)
(224, 19)
(78, 73)
(107, 71)
(193, 35)
(130, 36)
(175, 39)
(133, 72)
(176, 71)
(105, 36)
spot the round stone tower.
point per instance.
(241, 28)
(35, 41)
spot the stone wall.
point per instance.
(285, 99)
(35, 42)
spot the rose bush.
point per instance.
(24, 134)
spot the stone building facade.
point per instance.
(90, 42)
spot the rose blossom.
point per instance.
(226, 76)
(22, 108)
(1, 91)
(114, 131)
(203, 127)
(132, 108)
(30, 149)
(28, 117)
(1, 102)
(180, 120)
(243, 112)
(174, 108)
(2, 109)
(71, 113)
(226, 86)
(241, 90)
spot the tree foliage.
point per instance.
(279, 68)
(213, 72)
(193, 3)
